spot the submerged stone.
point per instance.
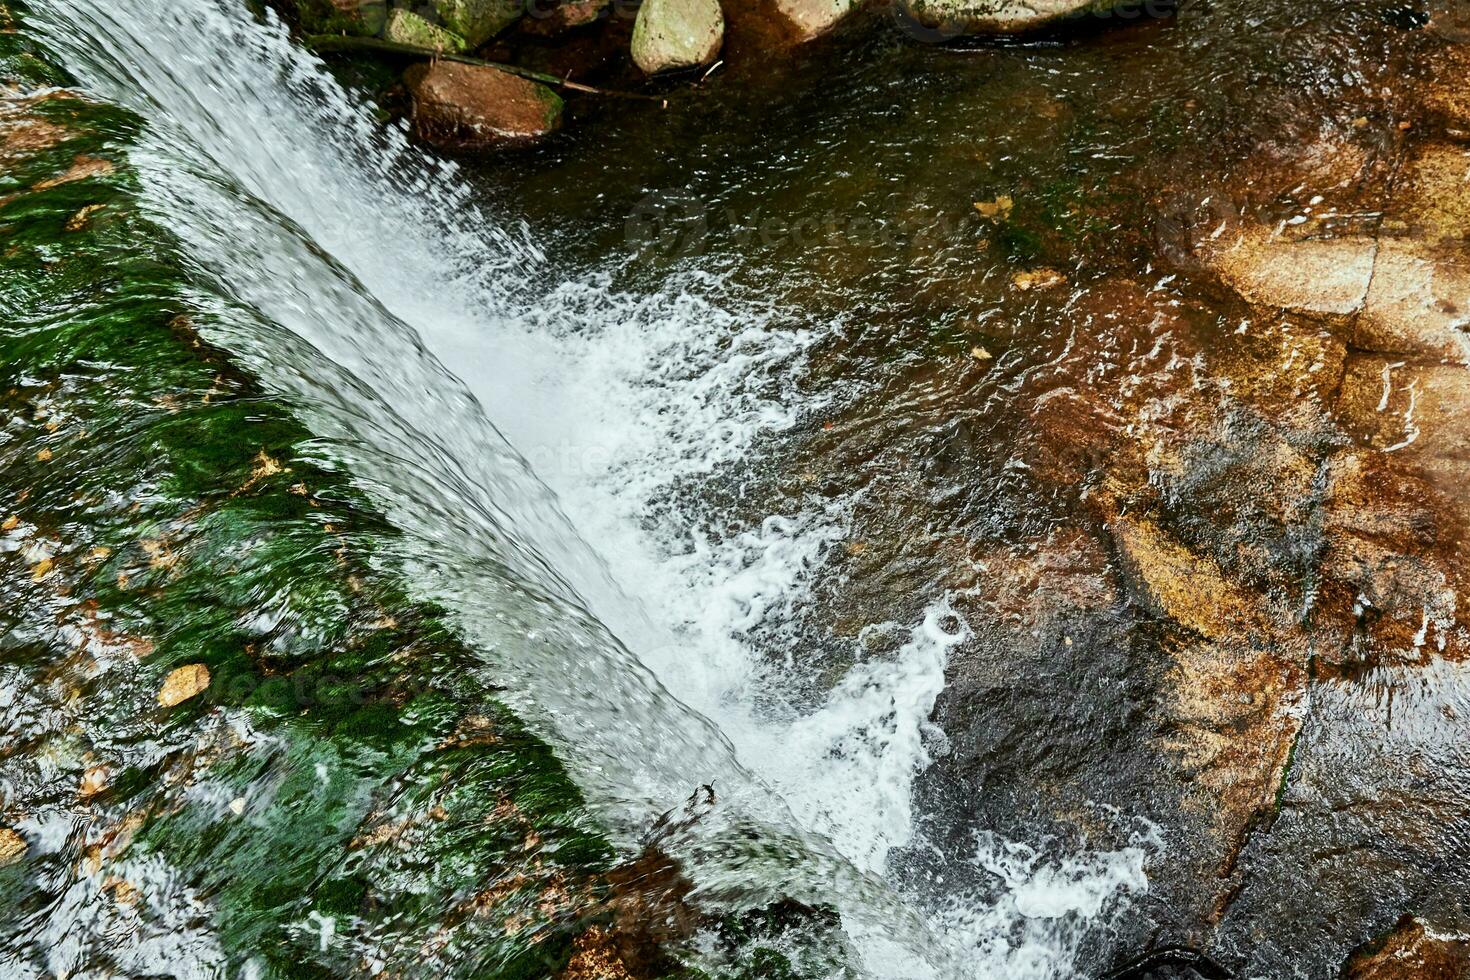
(1412, 951)
(183, 683)
(476, 107)
(563, 17)
(12, 846)
(806, 20)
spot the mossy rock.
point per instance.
(359, 18)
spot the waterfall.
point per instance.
(532, 428)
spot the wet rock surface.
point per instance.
(671, 35)
(1198, 501)
(1196, 489)
(954, 17)
(460, 106)
(1411, 950)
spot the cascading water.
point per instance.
(359, 277)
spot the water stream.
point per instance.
(543, 434)
(646, 401)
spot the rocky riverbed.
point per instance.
(1185, 440)
(1153, 359)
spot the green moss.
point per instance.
(193, 522)
(359, 18)
(406, 27)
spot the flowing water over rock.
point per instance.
(1021, 482)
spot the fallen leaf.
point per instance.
(998, 208)
(183, 683)
(1037, 279)
(11, 523)
(79, 220)
(44, 455)
(42, 569)
(981, 354)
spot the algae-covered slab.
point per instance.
(230, 735)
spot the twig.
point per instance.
(341, 42)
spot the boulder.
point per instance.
(468, 107)
(1414, 951)
(359, 18)
(477, 21)
(951, 17)
(806, 20)
(674, 34)
(406, 27)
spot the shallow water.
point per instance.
(688, 414)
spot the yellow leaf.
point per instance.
(1037, 279)
(183, 683)
(11, 523)
(44, 455)
(42, 569)
(998, 208)
(79, 220)
(980, 354)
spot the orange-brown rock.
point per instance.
(805, 20)
(1412, 951)
(475, 107)
(1432, 194)
(1389, 589)
(1323, 277)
